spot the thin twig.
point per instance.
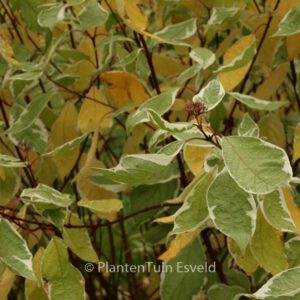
(230, 117)
(294, 81)
(150, 63)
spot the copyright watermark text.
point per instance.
(149, 266)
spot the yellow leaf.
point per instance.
(9, 184)
(226, 43)
(2, 173)
(7, 95)
(245, 260)
(134, 141)
(296, 154)
(132, 14)
(105, 209)
(238, 48)
(84, 70)
(78, 239)
(48, 172)
(109, 5)
(232, 78)
(272, 130)
(194, 158)
(177, 200)
(167, 66)
(94, 114)
(30, 38)
(270, 43)
(87, 45)
(293, 46)
(197, 8)
(86, 188)
(269, 46)
(34, 289)
(181, 241)
(272, 82)
(283, 7)
(292, 206)
(267, 246)
(134, 11)
(124, 87)
(179, 105)
(63, 130)
(6, 49)
(7, 279)
(165, 220)
(217, 241)
(154, 281)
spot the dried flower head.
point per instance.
(196, 109)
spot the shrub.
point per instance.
(149, 149)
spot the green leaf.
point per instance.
(142, 67)
(157, 137)
(55, 216)
(234, 276)
(128, 59)
(66, 146)
(248, 127)
(277, 213)
(189, 73)
(72, 55)
(9, 184)
(193, 214)
(170, 127)
(290, 24)
(48, 17)
(292, 247)
(29, 10)
(160, 104)
(28, 75)
(78, 240)
(14, 251)
(65, 282)
(177, 284)
(143, 168)
(257, 166)
(175, 33)
(109, 40)
(192, 137)
(30, 114)
(152, 195)
(258, 104)
(285, 283)
(221, 14)
(11, 162)
(92, 15)
(211, 95)
(232, 210)
(46, 197)
(36, 137)
(203, 57)
(221, 291)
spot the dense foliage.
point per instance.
(149, 133)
